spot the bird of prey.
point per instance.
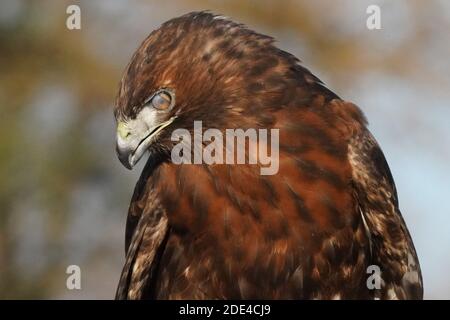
(327, 225)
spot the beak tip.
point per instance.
(128, 166)
(124, 159)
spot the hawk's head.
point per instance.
(201, 67)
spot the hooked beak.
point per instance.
(134, 138)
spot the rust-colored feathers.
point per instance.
(225, 231)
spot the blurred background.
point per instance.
(64, 195)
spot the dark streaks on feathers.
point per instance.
(222, 231)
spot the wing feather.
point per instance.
(146, 234)
(392, 248)
(143, 256)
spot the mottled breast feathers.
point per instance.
(226, 231)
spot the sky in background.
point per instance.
(64, 195)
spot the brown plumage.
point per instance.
(225, 231)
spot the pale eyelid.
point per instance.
(166, 91)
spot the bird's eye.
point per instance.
(161, 101)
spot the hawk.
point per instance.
(313, 230)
